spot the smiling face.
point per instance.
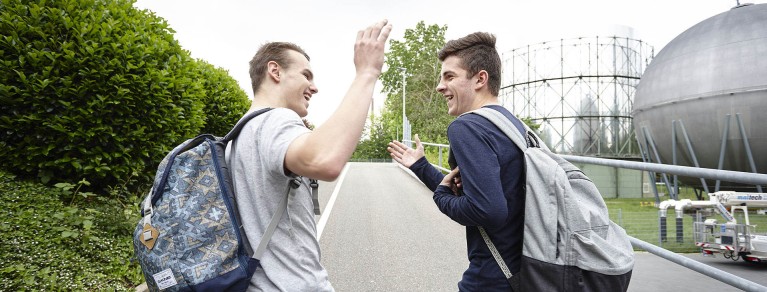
(298, 81)
(456, 86)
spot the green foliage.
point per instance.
(47, 245)
(426, 108)
(92, 88)
(225, 101)
(373, 146)
(66, 190)
(434, 156)
(530, 123)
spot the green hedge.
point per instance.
(92, 89)
(225, 101)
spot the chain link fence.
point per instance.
(646, 226)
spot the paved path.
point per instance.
(652, 273)
(382, 232)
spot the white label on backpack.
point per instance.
(148, 235)
(165, 279)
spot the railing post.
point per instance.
(662, 223)
(440, 155)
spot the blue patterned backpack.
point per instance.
(190, 237)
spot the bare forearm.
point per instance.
(339, 135)
(325, 151)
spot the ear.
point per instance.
(482, 79)
(273, 71)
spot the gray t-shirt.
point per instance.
(292, 258)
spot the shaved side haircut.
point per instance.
(477, 52)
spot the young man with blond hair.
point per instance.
(276, 148)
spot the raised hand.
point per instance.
(369, 48)
(405, 155)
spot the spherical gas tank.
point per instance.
(709, 80)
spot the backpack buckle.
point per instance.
(295, 183)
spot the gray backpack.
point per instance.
(579, 249)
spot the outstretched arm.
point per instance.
(414, 159)
(405, 155)
(323, 153)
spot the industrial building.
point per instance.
(701, 101)
(580, 91)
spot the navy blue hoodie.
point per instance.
(492, 175)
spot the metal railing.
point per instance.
(699, 267)
(440, 148)
(724, 175)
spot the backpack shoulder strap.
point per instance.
(504, 124)
(496, 255)
(530, 139)
(267, 236)
(292, 185)
(241, 123)
(508, 128)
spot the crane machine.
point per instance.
(730, 238)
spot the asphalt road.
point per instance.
(652, 273)
(385, 234)
(382, 232)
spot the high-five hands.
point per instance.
(403, 154)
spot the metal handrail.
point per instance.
(439, 165)
(699, 267)
(717, 174)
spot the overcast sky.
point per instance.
(227, 33)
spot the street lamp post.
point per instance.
(404, 101)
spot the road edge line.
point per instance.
(326, 213)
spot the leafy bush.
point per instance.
(372, 146)
(92, 88)
(48, 245)
(225, 101)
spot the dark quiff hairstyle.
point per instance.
(477, 52)
(274, 51)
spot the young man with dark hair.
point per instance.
(485, 187)
(276, 148)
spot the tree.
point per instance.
(426, 109)
(373, 145)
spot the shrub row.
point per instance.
(100, 90)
